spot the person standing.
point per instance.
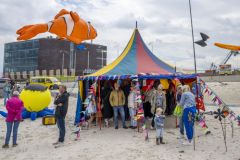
(159, 124)
(61, 102)
(180, 118)
(14, 107)
(189, 110)
(158, 101)
(6, 91)
(27, 82)
(132, 105)
(117, 101)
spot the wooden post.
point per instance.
(99, 113)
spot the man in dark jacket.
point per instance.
(61, 102)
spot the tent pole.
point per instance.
(99, 115)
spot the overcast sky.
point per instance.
(163, 23)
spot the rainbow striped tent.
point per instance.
(135, 60)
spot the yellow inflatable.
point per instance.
(35, 98)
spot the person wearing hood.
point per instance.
(14, 107)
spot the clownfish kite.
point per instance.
(66, 25)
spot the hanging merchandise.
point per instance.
(139, 117)
(164, 83)
(90, 102)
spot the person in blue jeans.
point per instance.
(132, 105)
(61, 101)
(117, 101)
(14, 107)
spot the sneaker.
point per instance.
(14, 145)
(116, 127)
(187, 143)
(125, 127)
(180, 136)
(60, 144)
(208, 132)
(134, 127)
(131, 127)
(5, 146)
(56, 143)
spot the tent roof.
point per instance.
(136, 59)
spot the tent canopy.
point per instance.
(136, 60)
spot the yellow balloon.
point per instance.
(35, 101)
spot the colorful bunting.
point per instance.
(219, 102)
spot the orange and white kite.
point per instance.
(66, 25)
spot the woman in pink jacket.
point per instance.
(14, 107)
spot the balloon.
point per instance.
(66, 25)
(35, 98)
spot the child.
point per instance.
(132, 105)
(159, 124)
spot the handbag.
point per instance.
(178, 111)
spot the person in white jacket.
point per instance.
(132, 105)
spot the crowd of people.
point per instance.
(116, 99)
(120, 99)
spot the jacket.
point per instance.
(61, 111)
(159, 121)
(187, 100)
(158, 98)
(14, 107)
(132, 100)
(117, 98)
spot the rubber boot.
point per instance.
(157, 141)
(161, 140)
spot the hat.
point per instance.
(15, 93)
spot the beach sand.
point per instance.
(35, 140)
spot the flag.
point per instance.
(81, 47)
(78, 110)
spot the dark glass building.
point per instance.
(53, 54)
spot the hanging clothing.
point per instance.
(107, 108)
(170, 102)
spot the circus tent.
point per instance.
(136, 59)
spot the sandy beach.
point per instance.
(35, 140)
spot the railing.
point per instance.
(65, 76)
